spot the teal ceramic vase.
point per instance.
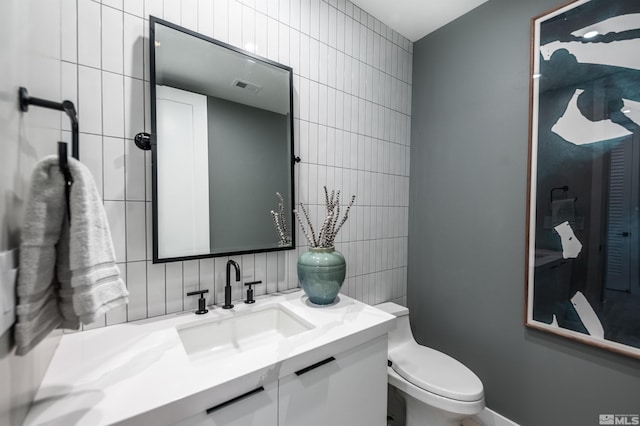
(321, 272)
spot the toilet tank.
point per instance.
(401, 333)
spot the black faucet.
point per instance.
(227, 287)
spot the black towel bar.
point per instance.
(70, 110)
(66, 106)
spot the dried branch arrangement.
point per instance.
(280, 222)
(332, 223)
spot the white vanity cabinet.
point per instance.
(141, 373)
(350, 390)
(257, 407)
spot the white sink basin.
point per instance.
(241, 332)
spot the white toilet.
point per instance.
(437, 389)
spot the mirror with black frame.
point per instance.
(222, 148)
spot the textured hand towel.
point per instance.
(37, 309)
(66, 274)
(95, 280)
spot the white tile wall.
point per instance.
(31, 56)
(352, 84)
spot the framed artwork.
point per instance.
(583, 242)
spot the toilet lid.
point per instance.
(436, 372)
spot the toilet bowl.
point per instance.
(438, 390)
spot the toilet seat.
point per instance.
(451, 379)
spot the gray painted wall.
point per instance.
(469, 148)
(249, 161)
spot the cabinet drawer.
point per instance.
(256, 407)
(348, 390)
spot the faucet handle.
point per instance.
(202, 303)
(250, 298)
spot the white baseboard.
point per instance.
(488, 417)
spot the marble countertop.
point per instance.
(139, 372)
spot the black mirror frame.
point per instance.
(154, 152)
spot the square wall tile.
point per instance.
(205, 17)
(136, 231)
(89, 33)
(134, 7)
(174, 288)
(117, 4)
(207, 279)
(134, 107)
(235, 23)
(191, 282)
(113, 168)
(221, 20)
(116, 216)
(90, 100)
(137, 286)
(112, 36)
(90, 147)
(68, 30)
(172, 11)
(189, 14)
(112, 104)
(156, 289)
(133, 46)
(135, 172)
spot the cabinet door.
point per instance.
(255, 408)
(350, 390)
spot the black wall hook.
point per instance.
(63, 165)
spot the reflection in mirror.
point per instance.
(222, 125)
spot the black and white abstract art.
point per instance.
(583, 246)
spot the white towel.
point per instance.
(37, 310)
(67, 275)
(95, 279)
